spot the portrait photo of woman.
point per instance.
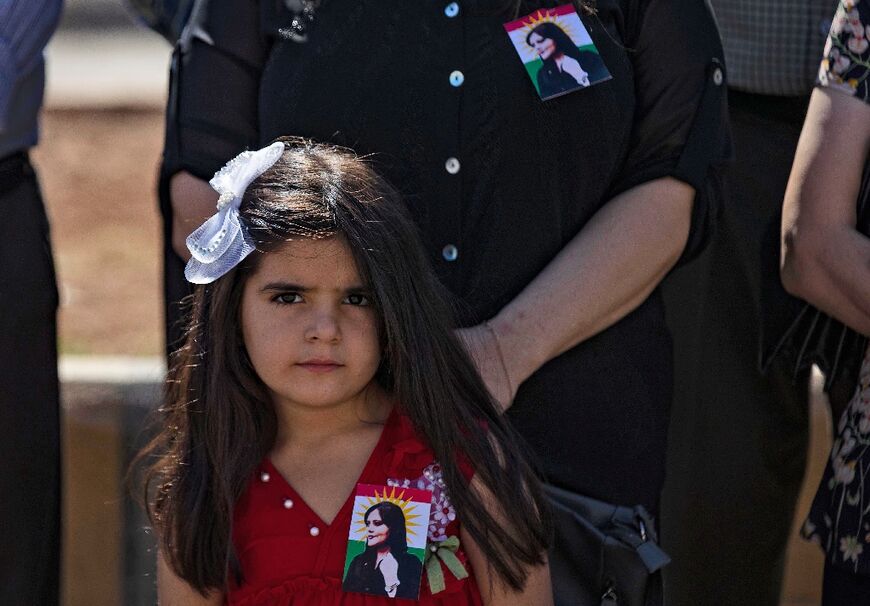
(566, 67)
(385, 568)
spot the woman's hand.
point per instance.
(193, 201)
(572, 66)
(389, 568)
(500, 374)
(603, 274)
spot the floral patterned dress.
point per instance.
(839, 519)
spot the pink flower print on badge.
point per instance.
(443, 513)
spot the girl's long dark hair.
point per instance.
(219, 422)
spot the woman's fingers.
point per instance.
(193, 201)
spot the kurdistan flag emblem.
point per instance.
(557, 51)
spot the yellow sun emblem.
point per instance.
(389, 494)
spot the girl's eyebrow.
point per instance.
(284, 286)
(289, 286)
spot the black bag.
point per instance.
(603, 555)
(814, 337)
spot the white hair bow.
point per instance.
(222, 241)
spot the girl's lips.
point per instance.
(320, 365)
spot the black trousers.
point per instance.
(29, 401)
(738, 440)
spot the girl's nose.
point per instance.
(323, 327)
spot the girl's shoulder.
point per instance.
(410, 453)
(406, 449)
(409, 461)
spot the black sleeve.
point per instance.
(410, 575)
(352, 580)
(214, 86)
(681, 114)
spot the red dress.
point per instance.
(290, 557)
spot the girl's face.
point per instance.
(376, 531)
(309, 326)
(545, 47)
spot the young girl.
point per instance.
(320, 356)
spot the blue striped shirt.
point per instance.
(25, 27)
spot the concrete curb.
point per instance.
(112, 370)
(107, 68)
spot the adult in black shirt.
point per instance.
(552, 220)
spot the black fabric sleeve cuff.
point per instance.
(700, 164)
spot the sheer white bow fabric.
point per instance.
(222, 241)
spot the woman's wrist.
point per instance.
(521, 355)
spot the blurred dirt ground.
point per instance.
(98, 170)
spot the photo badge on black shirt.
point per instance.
(386, 543)
(557, 51)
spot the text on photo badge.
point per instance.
(557, 51)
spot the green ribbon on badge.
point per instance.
(444, 551)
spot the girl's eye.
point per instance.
(357, 299)
(287, 298)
